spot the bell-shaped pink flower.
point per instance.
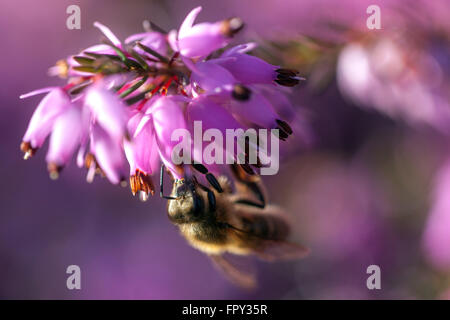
(142, 154)
(106, 109)
(200, 40)
(247, 69)
(65, 137)
(108, 33)
(108, 154)
(43, 119)
(167, 116)
(251, 106)
(211, 116)
(209, 77)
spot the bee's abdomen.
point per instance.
(266, 227)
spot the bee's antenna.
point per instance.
(161, 185)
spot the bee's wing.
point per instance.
(239, 276)
(270, 229)
(281, 250)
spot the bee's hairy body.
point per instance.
(229, 226)
(219, 221)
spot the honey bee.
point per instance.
(219, 221)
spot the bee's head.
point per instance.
(188, 204)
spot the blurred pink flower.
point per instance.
(398, 74)
(436, 237)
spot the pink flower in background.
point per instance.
(397, 73)
(124, 100)
(436, 238)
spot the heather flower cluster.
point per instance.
(123, 99)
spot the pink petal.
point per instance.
(108, 33)
(210, 76)
(153, 40)
(44, 116)
(241, 48)
(201, 40)
(249, 69)
(211, 116)
(257, 110)
(107, 110)
(189, 21)
(142, 150)
(36, 92)
(108, 153)
(65, 136)
(167, 117)
(172, 38)
(100, 49)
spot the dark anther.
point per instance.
(287, 72)
(200, 168)
(287, 77)
(283, 135)
(213, 182)
(241, 93)
(287, 82)
(285, 126)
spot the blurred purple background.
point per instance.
(360, 195)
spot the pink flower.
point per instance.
(212, 116)
(125, 100)
(43, 119)
(106, 109)
(65, 139)
(245, 68)
(108, 154)
(377, 72)
(167, 117)
(210, 77)
(193, 41)
(142, 154)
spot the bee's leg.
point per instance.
(161, 185)
(209, 176)
(248, 186)
(250, 203)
